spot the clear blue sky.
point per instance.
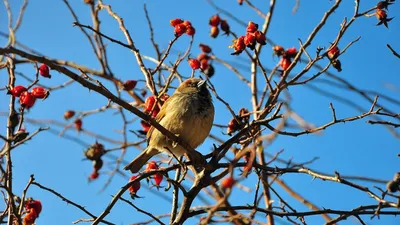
(355, 148)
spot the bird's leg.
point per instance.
(184, 167)
(198, 161)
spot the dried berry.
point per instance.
(69, 114)
(214, 32)
(94, 152)
(278, 50)
(210, 71)
(260, 37)
(78, 124)
(205, 48)
(225, 27)
(337, 65)
(129, 85)
(238, 46)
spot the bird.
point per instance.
(188, 113)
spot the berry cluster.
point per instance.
(134, 188)
(203, 61)
(252, 37)
(152, 107)
(27, 99)
(286, 55)
(381, 14)
(158, 177)
(94, 153)
(33, 209)
(234, 124)
(216, 21)
(181, 27)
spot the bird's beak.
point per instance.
(201, 83)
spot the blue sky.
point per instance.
(355, 148)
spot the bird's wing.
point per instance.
(158, 118)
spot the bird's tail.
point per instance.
(135, 165)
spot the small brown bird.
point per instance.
(188, 113)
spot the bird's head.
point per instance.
(192, 86)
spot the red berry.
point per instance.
(69, 114)
(145, 126)
(30, 217)
(135, 186)
(252, 27)
(158, 177)
(155, 112)
(27, 100)
(190, 31)
(34, 204)
(202, 56)
(260, 37)
(204, 64)
(285, 63)
(291, 52)
(18, 90)
(149, 104)
(233, 126)
(175, 22)
(40, 92)
(205, 48)
(215, 20)
(78, 124)
(227, 182)
(152, 165)
(194, 63)
(250, 41)
(164, 98)
(94, 175)
(129, 85)
(187, 23)
(44, 70)
(333, 53)
(225, 27)
(240, 2)
(180, 29)
(214, 32)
